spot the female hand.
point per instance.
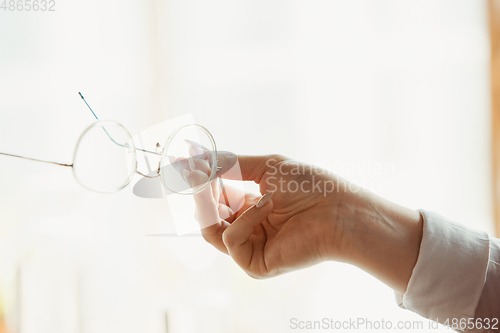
(306, 216)
(292, 230)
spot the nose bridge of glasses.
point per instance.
(154, 174)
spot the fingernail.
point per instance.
(191, 163)
(264, 200)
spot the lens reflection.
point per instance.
(190, 149)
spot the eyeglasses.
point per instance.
(105, 158)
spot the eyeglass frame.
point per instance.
(158, 171)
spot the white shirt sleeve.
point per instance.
(457, 274)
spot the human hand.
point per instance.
(312, 216)
(293, 229)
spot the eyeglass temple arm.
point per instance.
(37, 160)
(71, 165)
(119, 144)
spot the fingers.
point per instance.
(251, 167)
(212, 206)
(237, 167)
(206, 207)
(235, 197)
(215, 189)
(195, 148)
(207, 212)
(232, 239)
(204, 202)
(226, 213)
(225, 161)
(236, 236)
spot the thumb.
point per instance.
(242, 228)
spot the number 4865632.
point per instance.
(28, 5)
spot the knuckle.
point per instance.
(227, 238)
(207, 237)
(211, 233)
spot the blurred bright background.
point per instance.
(393, 95)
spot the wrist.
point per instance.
(380, 237)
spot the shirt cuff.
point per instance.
(450, 272)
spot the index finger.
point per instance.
(247, 167)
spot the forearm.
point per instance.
(457, 274)
(383, 238)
